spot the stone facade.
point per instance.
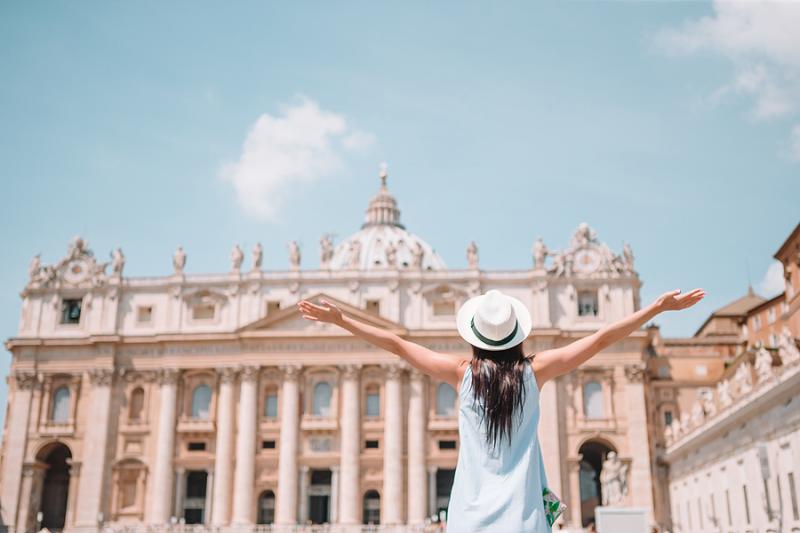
(721, 404)
(209, 399)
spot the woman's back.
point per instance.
(498, 488)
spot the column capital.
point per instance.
(416, 375)
(635, 373)
(101, 377)
(334, 468)
(304, 469)
(350, 370)
(291, 372)
(168, 376)
(227, 374)
(25, 380)
(392, 370)
(432, 469)
(249, 373)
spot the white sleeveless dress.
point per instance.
(498, 489)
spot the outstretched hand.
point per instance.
(675, 301)
(327, 312)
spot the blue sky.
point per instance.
(149, 125)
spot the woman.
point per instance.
(500, 475)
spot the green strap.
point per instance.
(489, 341)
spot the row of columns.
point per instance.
(227, 482)
(233, 501)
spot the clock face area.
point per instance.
(586, 261)
(76, 271)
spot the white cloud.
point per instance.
(301, 145)
(772, 284)
(762, 42)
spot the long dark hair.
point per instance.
(498, 386)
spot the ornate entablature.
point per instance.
(78, 269)
(585, 256)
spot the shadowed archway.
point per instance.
(593, 453)
(55, 487)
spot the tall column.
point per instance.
(14, 447)
(574, 501)
(246, 447)
(549, 434)
(32, 480)
(223, 458)
(432, 490)
(91, 487)
(286, 512)
(641, 488)
(209, 505)
(350, 446)
(334, 514)
(303, 507)
(161, 498)
(392, 500)
(180, 492)
(417, 449)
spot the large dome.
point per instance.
(383, 241)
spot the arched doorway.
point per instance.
(593, 453)
(55, 488)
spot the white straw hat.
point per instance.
(493, 321)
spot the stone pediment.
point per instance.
(290, 320)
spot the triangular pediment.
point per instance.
(290, 320)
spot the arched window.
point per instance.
(372, 507)
(271, 403)
(60, 413)
(445, 400)
(136, 405)
(201, 402)
(373, 404)
(593, 400)
(322, 399)
(266, 507)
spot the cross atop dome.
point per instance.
(382, 209)
(384, 174)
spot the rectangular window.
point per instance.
(197, 446)
(746, 505)
(373, 404)
(771, 315)
(203, 312)
(273, 306)
(71, 311)
(793, 496)
(268, 445)
(587, 303)
(371, 444)
(144, 314)
(271, 405)
(713, 509)
(663, 371)
(728, 506)
(447, 445)
(446, 308)
(689, 515)
(667, 418)
(700, 512)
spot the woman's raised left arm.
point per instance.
(558, 361)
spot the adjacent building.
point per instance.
(725, 415)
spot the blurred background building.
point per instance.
(724, 413)
(208, 399)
